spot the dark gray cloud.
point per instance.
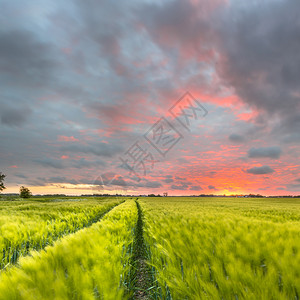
(110, 179)
(182, 160)
(288, 129)
(61, 179)
(196, 188)
(105, 178)
(178, 24)
(14, 116)
(49, 162)
(38, 181)
(260, 170)
(168, 180)
(236, 138)
(180, 187)
(119, 181)
(24, 59)
(211, 187)
(293, 187)
(98, 149)
(83, 163)
(262, 48)
(270, 152)
(149, 184)
(153, 184)
(21, 176)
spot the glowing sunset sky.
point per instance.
(83, 81)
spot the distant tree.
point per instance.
(25, 192)
(2, 187)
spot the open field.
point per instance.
(150, 248)
(225, 248)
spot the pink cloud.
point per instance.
(62, 138)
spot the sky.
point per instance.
(144, 96)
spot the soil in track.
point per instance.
(141, 271)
